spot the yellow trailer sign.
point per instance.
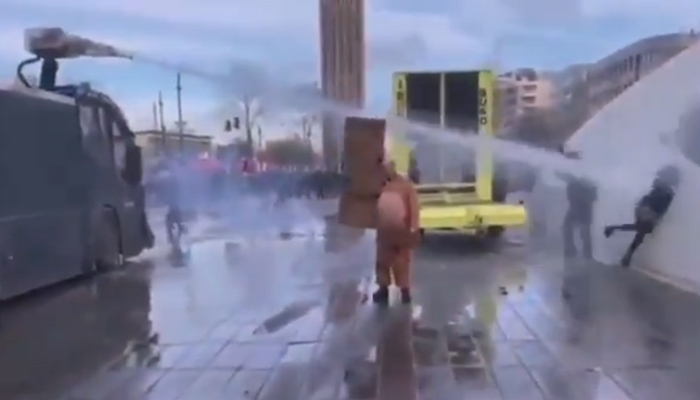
(485, 170)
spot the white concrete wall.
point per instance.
(625, 143)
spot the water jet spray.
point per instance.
(51, 44)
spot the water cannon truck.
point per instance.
(75, 200)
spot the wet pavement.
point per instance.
(279, 318)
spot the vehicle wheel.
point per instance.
(148, 236)
(500, 191)
(109, 256)
(495, 232)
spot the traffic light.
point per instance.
(229, 126)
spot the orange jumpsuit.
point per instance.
(398, 222)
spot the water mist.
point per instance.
(637, 133)
(622, 147)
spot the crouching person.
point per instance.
(397, 235)
(649, 210)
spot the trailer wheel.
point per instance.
(495, 232)
(109, 255)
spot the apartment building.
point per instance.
(521, 91)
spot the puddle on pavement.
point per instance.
(428, 347)
(464, 341)
(446, 346)
(142, 354)
(360, 379)
(291, 313)
(463, 349)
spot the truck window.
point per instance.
(89, 120)
(104, 121)
(93, 124)
(119, 147)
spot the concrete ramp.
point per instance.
(626, 142)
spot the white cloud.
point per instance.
(268, 16)
(438, 32)
(561, 12)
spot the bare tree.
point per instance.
(252, 112)
(244, 89)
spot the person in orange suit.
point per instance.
(397, 235)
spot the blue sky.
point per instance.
(279, 38)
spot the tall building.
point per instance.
(342, 66)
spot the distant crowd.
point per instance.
(208, 180)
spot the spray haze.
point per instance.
(640, 131)
(648, 126)
(620, 161)
(622, 166)
(246, 79)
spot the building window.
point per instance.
(528, 99)
(529, 87)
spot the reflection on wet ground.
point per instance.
(279, 319)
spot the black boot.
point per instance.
(406, 296)
(608, 231)
(626, 260)
(381, 296)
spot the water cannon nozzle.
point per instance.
(55, 43)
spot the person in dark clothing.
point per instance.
(649, 210)
(581, 194)
(414, 174)
(173, 191)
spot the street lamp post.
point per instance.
(180, 123)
